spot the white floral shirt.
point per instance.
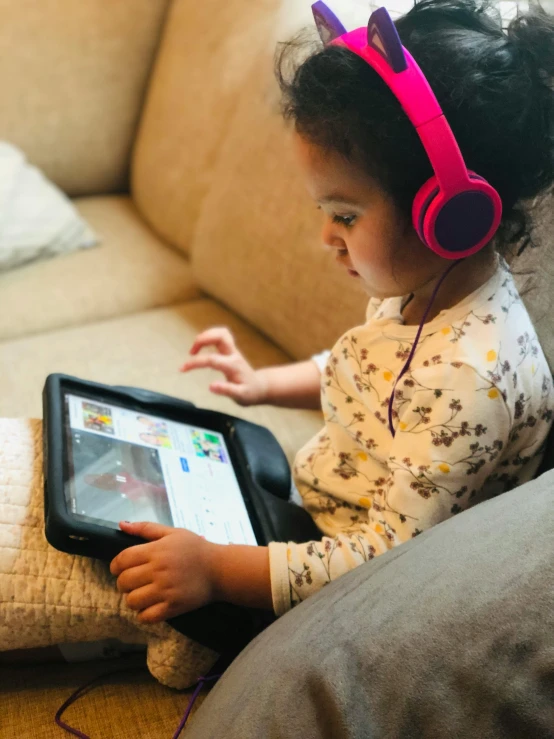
(471, 416)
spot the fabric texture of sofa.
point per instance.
(160, 117)
(392, 650)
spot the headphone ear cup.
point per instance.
(462, 223)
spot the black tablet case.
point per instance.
(265, 472)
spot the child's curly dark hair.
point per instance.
(494, 86)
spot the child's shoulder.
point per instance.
(493, 314)
(491, 334)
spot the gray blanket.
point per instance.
(450, 635)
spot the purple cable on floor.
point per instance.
(79, 692)
(201, 681)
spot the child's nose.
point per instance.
(329, 236)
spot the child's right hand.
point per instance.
(243, 384)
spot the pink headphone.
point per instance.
(456, 212)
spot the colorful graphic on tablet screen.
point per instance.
(155, 433)
(208, 445)
(98, 418)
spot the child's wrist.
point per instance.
(212, 557)
(239, 574)
(264, 386)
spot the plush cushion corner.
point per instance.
(38, 219)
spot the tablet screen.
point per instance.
(130, 466)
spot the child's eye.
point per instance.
(344, 220)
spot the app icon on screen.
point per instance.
(208, 446)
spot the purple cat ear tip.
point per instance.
(328, 25)
(383, 37)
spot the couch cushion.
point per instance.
(204, 59)
(131, 270)
(73, 77)
(144, 350)
(258, 250)
(448, 635)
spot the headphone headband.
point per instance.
(456, 190)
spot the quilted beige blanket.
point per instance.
(48, 597)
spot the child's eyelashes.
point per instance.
(344, 220)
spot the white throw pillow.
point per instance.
(36, 219)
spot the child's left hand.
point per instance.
(168, 575)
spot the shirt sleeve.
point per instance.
(321, 359)
(447, 443)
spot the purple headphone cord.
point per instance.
(414, 345)
(194, 696)
(77, 694)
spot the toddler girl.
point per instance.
(443, 397)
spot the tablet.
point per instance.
(129, 465)
(122, 454)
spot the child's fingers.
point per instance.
(221, 338)
(133, 578)
(155, 614)
(146, 529)
(131, 557)
(209, 361)
(143, 597)
(241, 394)
(229, 389)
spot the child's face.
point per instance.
(363, 226)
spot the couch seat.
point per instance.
(145, 350)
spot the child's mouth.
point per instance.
(341, 253)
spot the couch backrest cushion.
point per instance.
(257, 245)
(73, 75)
(206, 53)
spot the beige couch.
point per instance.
(161, 120)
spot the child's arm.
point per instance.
(291, 386)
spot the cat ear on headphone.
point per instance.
(383, 37)
(328, 25)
